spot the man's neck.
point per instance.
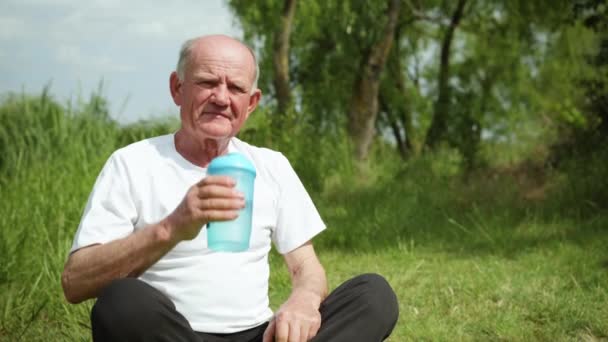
(198, 153)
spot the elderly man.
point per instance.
(141, 246)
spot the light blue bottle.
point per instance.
(233, 236)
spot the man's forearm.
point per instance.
(299, 317)
(90, 269)
(309, 279)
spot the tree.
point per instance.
(506, 71)
(439, 124)
(364, 102)
(594, 15)
(281, 59)
(396, 98)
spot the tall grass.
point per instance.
(50, 155)
(474, 260)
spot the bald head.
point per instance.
(209, 42)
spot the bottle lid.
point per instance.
(231, 160)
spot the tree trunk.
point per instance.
(364, 103)
(401, 142)
(405, 116)
(281, 60)
(438, 127)
(475, 126)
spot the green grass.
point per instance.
(469, 261)
(483, 273)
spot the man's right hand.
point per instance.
(214, 198)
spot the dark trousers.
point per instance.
(362, 309)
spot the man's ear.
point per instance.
(254, 99)
(175, 86)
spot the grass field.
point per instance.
(481, 260)
(473, 272)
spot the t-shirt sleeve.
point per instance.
(298, 219)
(110, 212)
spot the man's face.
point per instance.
(215, 95)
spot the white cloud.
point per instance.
(142, 19)
(73, 56)
(41, 2)
(69, 55)
(12, 28)
(151, 29)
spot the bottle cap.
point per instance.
(231, 160)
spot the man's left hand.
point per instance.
(297, 320)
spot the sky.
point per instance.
(129, 46)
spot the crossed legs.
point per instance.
(363, 308)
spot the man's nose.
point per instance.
(220, 95)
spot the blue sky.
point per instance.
(131, 45)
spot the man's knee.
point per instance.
(119, 297)
(377, 299)
(125, 306)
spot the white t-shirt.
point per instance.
(217, 292)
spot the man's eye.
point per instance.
(237, 89)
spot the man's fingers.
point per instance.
(269, 332)
(218, 180)
(281, 329)
(221, 204)
(313, 329)
(302, 332)
(294, 331)
(219, 215)
(218, 191)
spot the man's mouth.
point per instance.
(217, 114)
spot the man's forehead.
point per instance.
(206, 66)
(221, 60)
(221, 47)
(211, 73)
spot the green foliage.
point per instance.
(314, 157)
(38, 129)
(581, 188)
(327, 42)
(516, 66)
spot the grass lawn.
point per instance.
(527, 280)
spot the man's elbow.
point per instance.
(68, 289)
